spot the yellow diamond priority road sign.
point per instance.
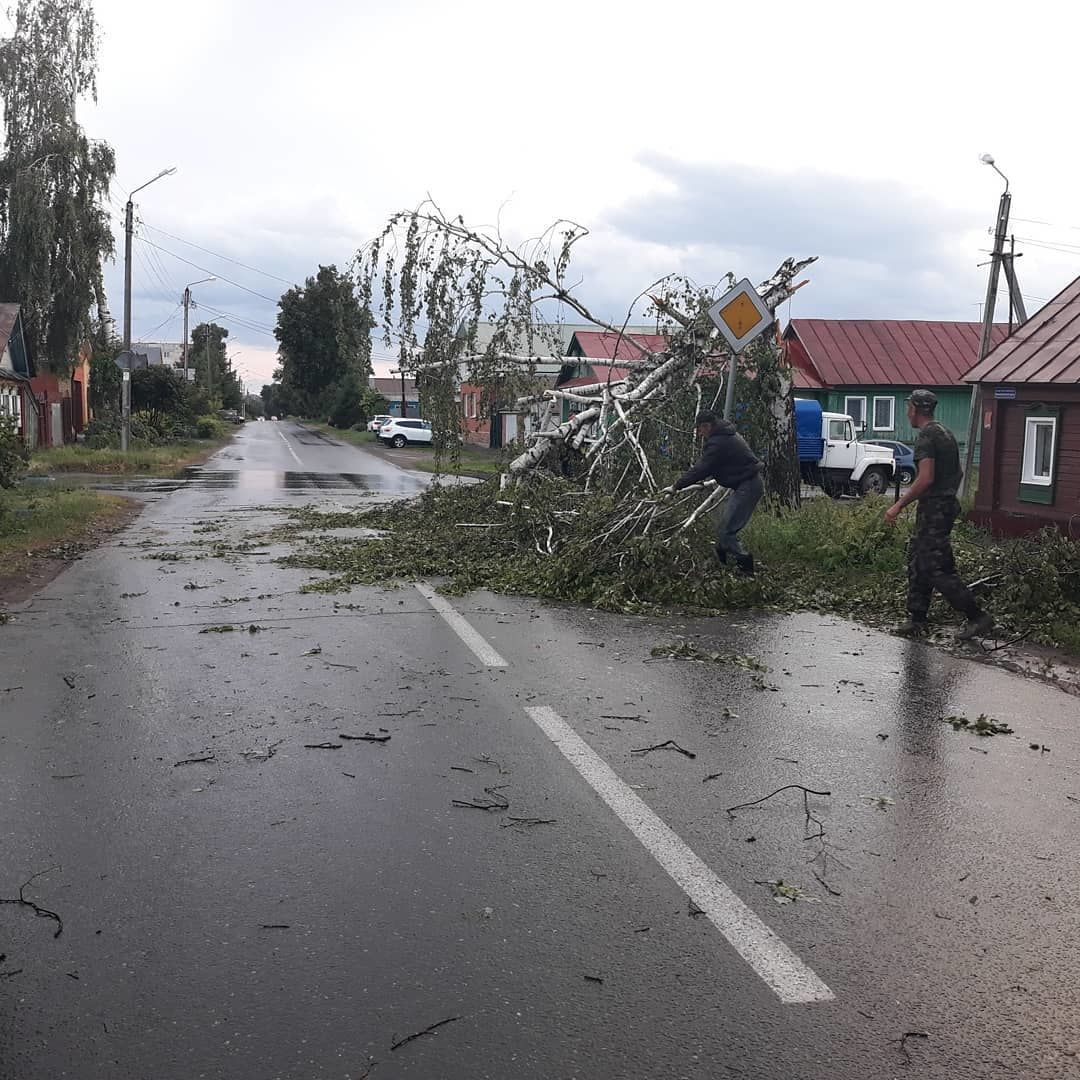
(740, 315)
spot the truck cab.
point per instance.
(831, 456)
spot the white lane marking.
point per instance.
(791, 980)
(484, 652)
(291, 450)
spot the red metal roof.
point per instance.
(885, 352)
(1046, 349)
(604, 345)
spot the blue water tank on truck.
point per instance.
(831, 456)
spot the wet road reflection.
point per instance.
(259, 480)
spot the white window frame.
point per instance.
(859, 426)
(1031, 427)
(891, 426)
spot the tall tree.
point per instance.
(324, 335)
(208, 355)
(54, 181)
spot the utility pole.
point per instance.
(998, 258)
(187, 305)
(129, 229)
(404, 404)
(209, 370)
(125, 394)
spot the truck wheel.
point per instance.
(873, 482)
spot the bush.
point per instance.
(14, 453)
(209, 427)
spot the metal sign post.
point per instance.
(740, 315)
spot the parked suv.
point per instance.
(377, 422)
(401, 432)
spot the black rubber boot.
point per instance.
(744, 564)
(977, 626)
(911, 628)
(721, 555)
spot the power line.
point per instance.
(240, 320)
(1067, 249)
(218, 255)
(175, 313)
(1049, 224)
(207, 270)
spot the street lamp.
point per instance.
(187, 304)
(129, 218)
(988, 159)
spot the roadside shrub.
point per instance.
(14, 453)
(209, 427)
(103, 432)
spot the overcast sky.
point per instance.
(690, 137)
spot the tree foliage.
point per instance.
(207, 354)
(156, 391)
(54, 181)
(324, 337)
(435, 280)
(14, 453)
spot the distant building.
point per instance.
(16, 394)
(391, 388)
(867, 367)
(161, 353)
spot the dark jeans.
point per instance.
(930, 560)
(740, 508)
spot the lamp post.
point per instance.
(187, 304)
(129, 228)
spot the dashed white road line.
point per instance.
(291, 450)
(791, 980)
(482, 650)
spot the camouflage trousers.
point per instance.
(930, 560)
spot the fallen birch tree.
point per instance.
(434, 281)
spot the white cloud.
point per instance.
(298, 131)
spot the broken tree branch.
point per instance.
(39, 912)
(787, 787)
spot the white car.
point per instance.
(400, 433)
(377, 422)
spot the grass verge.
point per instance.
(546, 540)
(150, 461)
(42, 525)
(474, 461)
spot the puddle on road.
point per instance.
(258, 480)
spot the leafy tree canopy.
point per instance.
(323, 334)
(54, 182)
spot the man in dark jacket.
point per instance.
(730, 462)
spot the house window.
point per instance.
(1038, 466)
(1040, 439)
(855, 407)
(884, 413)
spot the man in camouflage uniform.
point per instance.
(930, 556)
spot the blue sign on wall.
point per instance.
(1005, 393)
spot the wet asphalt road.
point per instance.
(283, 912)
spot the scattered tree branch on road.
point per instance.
(39, 912)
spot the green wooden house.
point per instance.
(867, 367)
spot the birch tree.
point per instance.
(54, 181)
